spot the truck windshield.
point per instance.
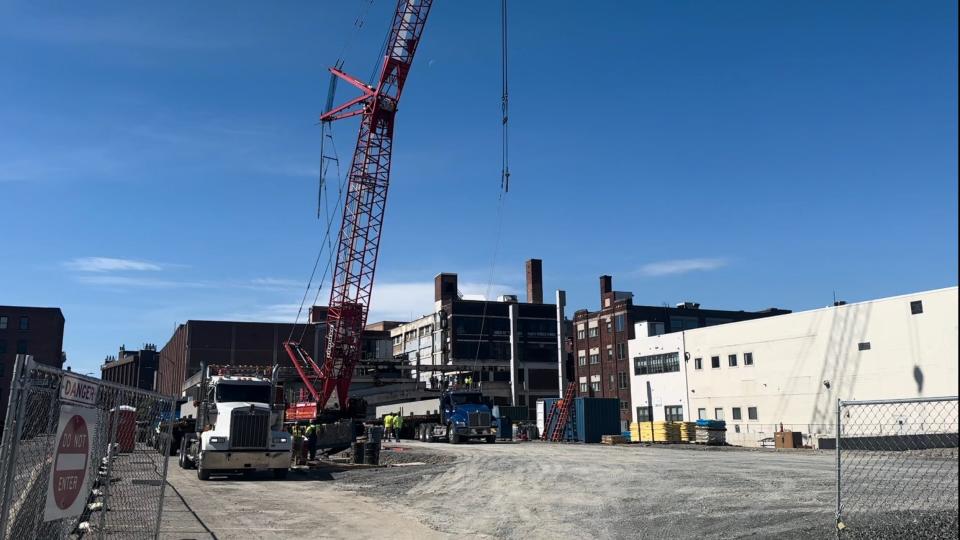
(461, 399)
(258, 393)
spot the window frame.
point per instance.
(593, 332)
(748, 358)
(670, 413)
(647, 414)
(702, 413)
(24, 323)
(594, 359)
(4, 321)
(714, 362)
(698, 363)
(718, 413)
(916, 307)
(753, 413)
(732, 360)
(736, 413)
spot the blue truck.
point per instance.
(463, 415)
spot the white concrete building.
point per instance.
(791, 369)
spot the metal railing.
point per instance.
(896, 465)
(73, 469)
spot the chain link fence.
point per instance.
(111, 452)
(897, 468)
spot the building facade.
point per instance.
(506, 347)
(37, 331)
(601, 338)
(790, 370)
(234, 343)
(133, 368)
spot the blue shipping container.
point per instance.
(597, 417)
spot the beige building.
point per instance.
(791, 369)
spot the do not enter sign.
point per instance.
(68, 487)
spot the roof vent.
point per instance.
(688, 305)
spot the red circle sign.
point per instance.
(70, 463)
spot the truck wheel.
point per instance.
(452, 435)
(491, 439)
(203, 474)
(280, 474)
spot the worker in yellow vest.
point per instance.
(397, 424)
(388, 426)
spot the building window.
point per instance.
(752, 413)
(621, 351)
(748, 358)
(737, 414)
(643, 414)
(3, 346)
(582, 360)
(624, 379)
(715, 362)
(609, 353)
(595, 386)
(22, 346)
(656, 363)
(916, 307)
(732, 360)
(583, 388)
(863, 346)
(581, 334)
(3, 322)
(698, 363)
(620, 322)
(624, 405)
(24, 323)
(736, 428)
(718, 413)
(594, 332)
(701, 413)
(594, 358)
(611, 382)
(673, 413)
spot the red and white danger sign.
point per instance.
(68, 488)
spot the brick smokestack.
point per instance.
(535, 281)
(444, 287)
(606, 285)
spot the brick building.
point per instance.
(506, 346)
(600, 338)
(261, 344)
(35, 331)
(132, 368)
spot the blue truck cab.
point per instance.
(464, 415)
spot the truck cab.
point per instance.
(239, 429)
(465, 414)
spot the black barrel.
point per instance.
(358, 452)
(371, 453)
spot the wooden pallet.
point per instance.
(613, 439)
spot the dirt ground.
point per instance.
(541, 490)
(530, 490)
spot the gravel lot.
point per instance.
(539, 490)
(533, 490)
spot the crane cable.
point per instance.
(504, 179)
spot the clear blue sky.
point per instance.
(158, 160)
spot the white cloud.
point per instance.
(110, 280)
(273, 284)
(680, 266)
(110, 264)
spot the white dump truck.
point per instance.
(239, 427)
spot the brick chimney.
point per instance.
(606, 285)
(534, 281)
(445, 287)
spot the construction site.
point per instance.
(477, 409)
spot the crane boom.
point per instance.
(366, 198)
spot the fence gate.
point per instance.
(81, 457)
(897, 468)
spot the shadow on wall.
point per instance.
(841, 361)
(918, 377)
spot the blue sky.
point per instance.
(158, 162)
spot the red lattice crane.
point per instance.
(366, 199)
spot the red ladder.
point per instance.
(561, 410)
